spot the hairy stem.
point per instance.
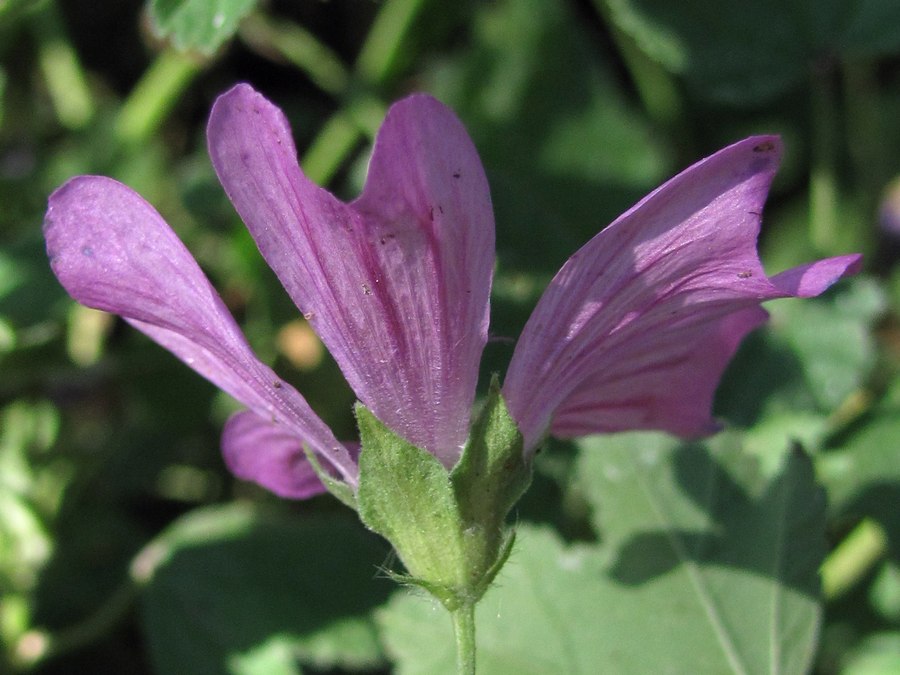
(464, 631)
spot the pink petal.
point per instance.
(396, 283)
(257, 450)
(637, 327)
(112, 251)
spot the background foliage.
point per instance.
(126, 547)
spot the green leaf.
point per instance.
(737, 546)
(879, 654)
(198, 25)
(871, 30)
(704, 563)
(566, 151)
(885, 591)
(751, 51)
(261, 592)
(30, 491)
(862, 473)
(755, 50)
(13, 9)
(832, 338)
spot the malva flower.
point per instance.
(634, 331)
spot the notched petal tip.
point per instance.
(397, 282)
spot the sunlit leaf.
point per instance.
(704, 562)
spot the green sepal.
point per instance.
(446, 526)
(405, 495)
(336, 487)
(492, 473)
(506, 547)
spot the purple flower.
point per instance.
(632, 333)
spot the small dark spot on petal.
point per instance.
(431, 214)
(754, 213)
(366, 290)
(87, 251)
(308, 315)
(767, 146)
(456, 174)
(746, 274)
(276, 384)
(440, 208)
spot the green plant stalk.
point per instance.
(340, 135)
(865, 134)
(62, 71)
(655, 87)
(853, 558)
(36, 646)
(154, 96)
(823, 189)
(299, 47)
(2, 93)
(361, 114)
(464, 632)
(334, 142)
(380, 51)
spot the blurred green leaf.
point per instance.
(704, 562)
(885, 591)
(879, 654)
(29, 491)
(733, 544)
(746, 52)
(261, 592)
(868, 28)
(11, 9)
(198, 25)
(832, 337)
(564, 149)
(865, 468)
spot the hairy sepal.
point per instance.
(446, 526)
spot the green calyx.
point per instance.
(446, 526)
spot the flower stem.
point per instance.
(37, 646)
(464, 630)
(380, 53)
(854, 557)
(299, 47)
(65, 78)
(155, 95)
(823, 196)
